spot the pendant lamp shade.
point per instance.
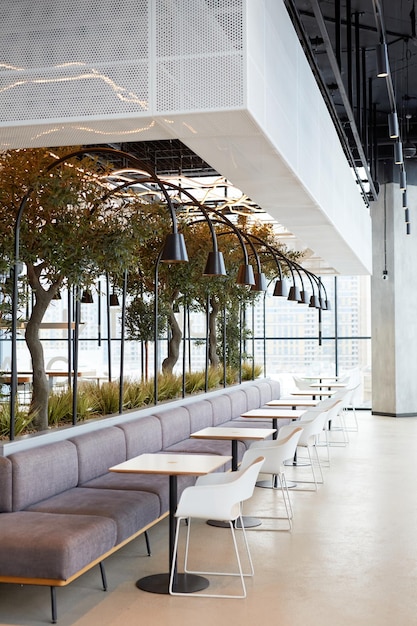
(245, 275)
(215, 264)
(323, 304)
(260, 282)
(394, 130)
(294, 295)
(328, 306)
(382, 66)
(113, 300)
(398, 153)
(314, 302)
(405, 199)
(281, 288)
(174, 250)
(403, 179)
(86, 297)
(304, 297)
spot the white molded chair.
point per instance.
(219, 500)
(309, 438)
(301, 383)
(276, 452)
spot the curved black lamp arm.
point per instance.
(312, 277)
(201, 207)
(276, 253)
(293, 264)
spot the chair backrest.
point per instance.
(312, 428)
(246, 479)
(220, 501)
(301, 383)
(275, 451)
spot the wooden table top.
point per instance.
(220, 432)
(313, 392)
(328, 385)
(282, 402)
(269, 412)
(21, 379)
(170, 464)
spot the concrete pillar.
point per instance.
(394, 297)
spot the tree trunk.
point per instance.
(40, 390)
(213, 356)
(173, 346)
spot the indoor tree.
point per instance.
(67, 236)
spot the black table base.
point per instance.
(269, 484)
(248, 522)
(184, 583)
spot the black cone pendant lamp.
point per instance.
(281, 288)
(174, 250)
(245, 275)
(86, 297)
(294, 294)
(314, 302)
(260, 282)
(215, 264)
(113, 300)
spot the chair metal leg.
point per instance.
(53, 605)
(240, 573)
(286, 497)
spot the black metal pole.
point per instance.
(184, 347)
(75, 357)
(336, 338)
(156, 329)
(108, 328)
(224, 346)
(207, 340)
(122, 342)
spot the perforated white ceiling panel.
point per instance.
(83, 59)
(227, 77)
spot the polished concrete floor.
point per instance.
(350, 560)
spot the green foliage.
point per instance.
(169, 387)
(232, 375)
(140, 320)
(22, 420)
(60, 405)
(137, 394)
(251, 370)
(105, 397)
(194, 382)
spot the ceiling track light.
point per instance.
(393, 127)
(382, 65)
(398, 153)
(403, 179)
